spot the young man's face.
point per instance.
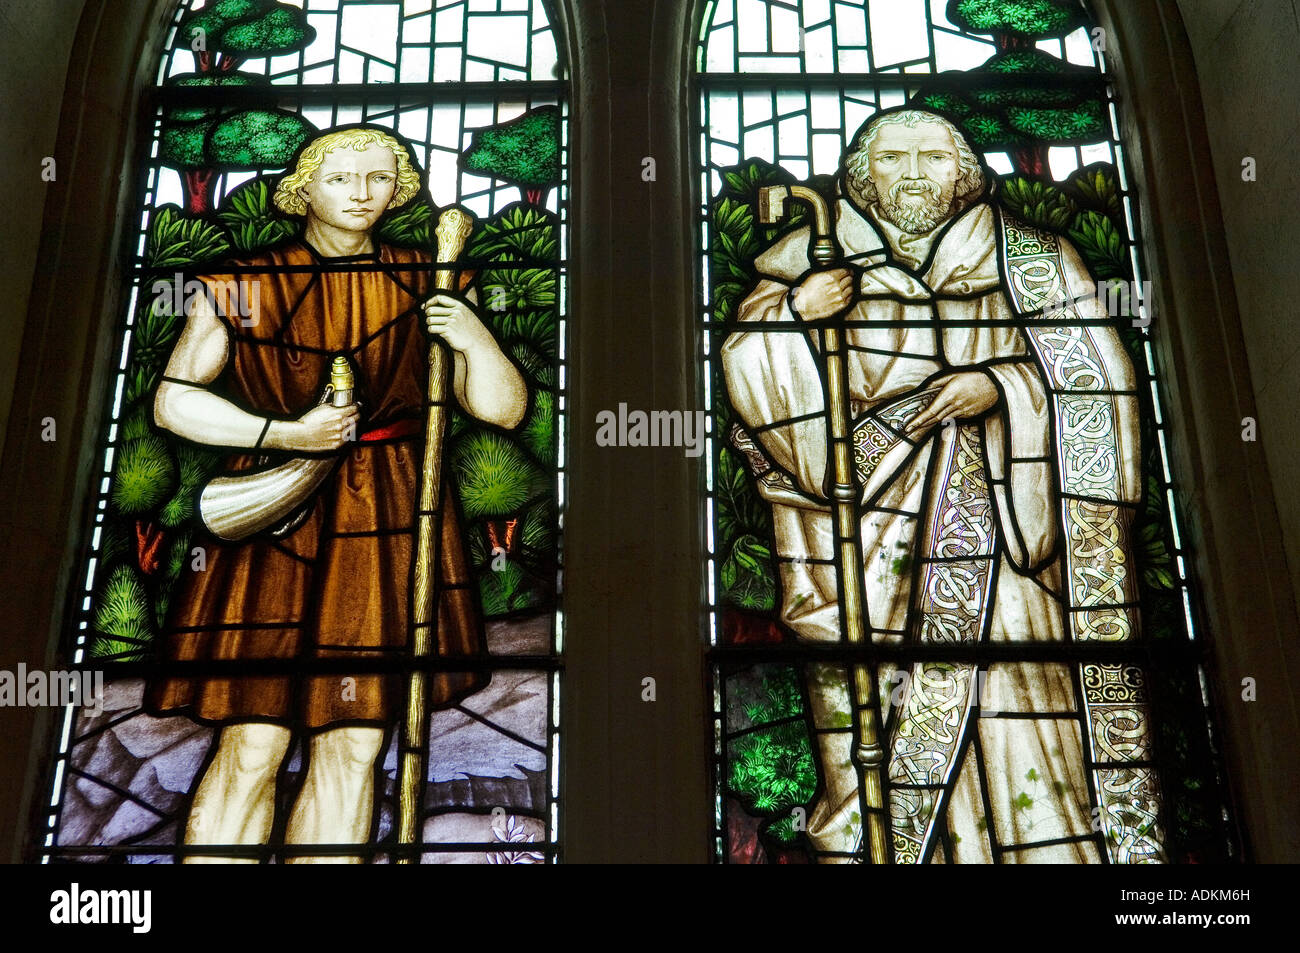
(352, 188)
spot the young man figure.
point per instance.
(337, 586)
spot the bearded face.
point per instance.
(917, 206)
(913, 172)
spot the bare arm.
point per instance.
(484, 380)
(192, 411)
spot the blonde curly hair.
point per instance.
(286, 196)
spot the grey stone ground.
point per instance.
(126, 783)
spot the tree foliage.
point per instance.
(1030, 19)
(524, 151)
(248, 28)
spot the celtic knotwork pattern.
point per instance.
(924, 749)
(1100, 587)
(906, 850)
(897, 415)
(1069, 357)
(871, 441)
(754, 456)
(1104, 625)
(1096, 554)
(1027, 242)
(1107, 683)
(963, 522)
(953, 596)
(1089, 445)
(1120, 733)
(880, 431)
(953, 600)
(1038, 284)
(1130, 803)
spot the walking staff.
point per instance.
(824, 253)
(453, 230)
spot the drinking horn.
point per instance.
(235, 506)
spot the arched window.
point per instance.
(949, 602)
(324, 543)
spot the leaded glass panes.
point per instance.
(949, 607)
(354, 602)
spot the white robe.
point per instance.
(984, 494)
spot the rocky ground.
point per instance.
(126, 783)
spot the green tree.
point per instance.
(200, 141)
(524, 152)
(236, 30)
(1025, 119)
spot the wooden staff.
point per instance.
(454, 227)
(824, 252)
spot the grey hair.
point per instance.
(857, 164)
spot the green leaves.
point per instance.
(771, 766)
(1080, 123)
(253, 221)
(143, 476)
(1032, 19)
(523, 234)
(747, 573)
(194, 465)
(187, 114)
(747, 580)
(494, 475)
(524, 151)
(1157, 564)
(1037, 203)
(1024, 118)
(282, 29)
(249, 27)
(1098, 240)
(516, 253)
(522, 288)
(410, 226)
(176, 240)
(123, 625)
(1097, 189)
(257, 138)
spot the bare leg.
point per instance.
(235, 801)
(338, 797)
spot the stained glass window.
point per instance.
(950, 613)
(321, 573)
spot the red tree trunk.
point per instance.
(1011, 41)
(148, 544)
(198, 190)
(1031, 161)
(536, 196)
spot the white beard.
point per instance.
(914, 217)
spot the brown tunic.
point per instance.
(339, 585)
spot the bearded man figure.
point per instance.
(996, 440)
(333, 583)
